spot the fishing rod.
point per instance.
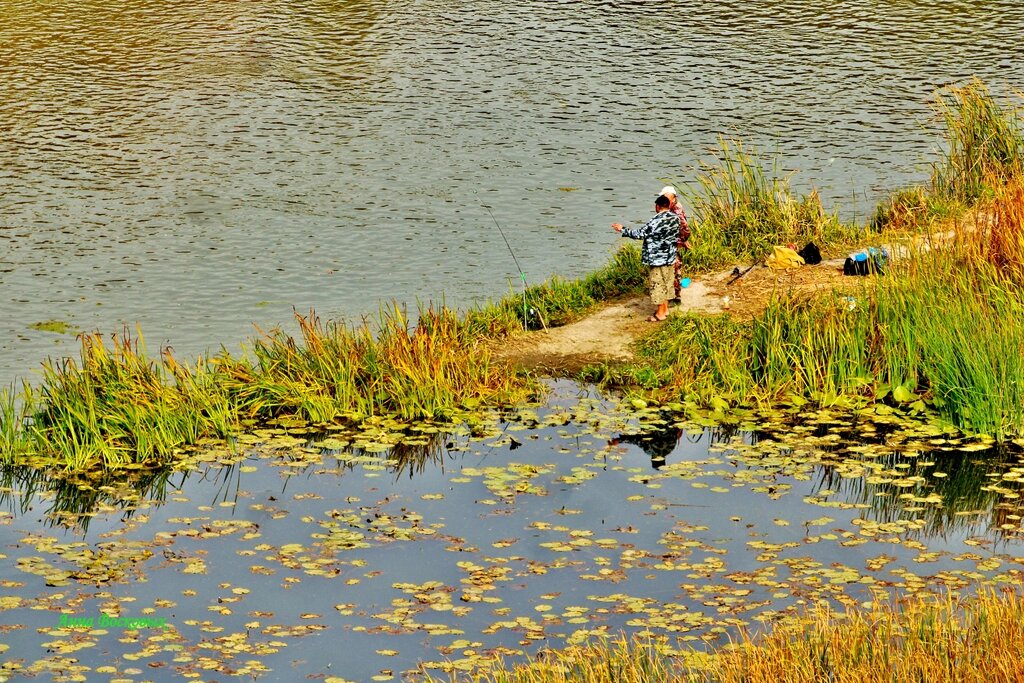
(522, 275)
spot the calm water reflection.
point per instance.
(553, 526)
(195, 167)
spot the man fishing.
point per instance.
(660, 235)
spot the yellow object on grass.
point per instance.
(784, 258)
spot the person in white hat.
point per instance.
(684, 230)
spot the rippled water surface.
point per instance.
(196, 167)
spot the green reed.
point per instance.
(115, 406)
(118, 407)
(957, 324)
(558, 301)
(700, 355)
(14, 441)
(741, 210)
(426, 370)
(984, 144)
(793, 343)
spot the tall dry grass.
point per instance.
(982, 148)
(427, 370)
(559, 301)
(984, 145)
(978, 640)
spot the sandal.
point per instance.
(656, 319)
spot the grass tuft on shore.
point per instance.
(982, 149)
(557, 301)
(113, 407)
(984, 145)
(426, 370)
(741, 210)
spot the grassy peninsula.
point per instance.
(116, 406)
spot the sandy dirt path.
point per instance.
(607, 334)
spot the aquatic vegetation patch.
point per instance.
(437, 551)
(118, 407)
(55, 326)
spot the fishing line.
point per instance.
(502, 232)
(522, 275)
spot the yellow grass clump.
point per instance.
(934, 640)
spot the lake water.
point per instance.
(198, 167)
(328, 555)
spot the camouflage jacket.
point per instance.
(660, 235)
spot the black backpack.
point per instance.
(810, 254)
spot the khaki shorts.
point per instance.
(660, 281)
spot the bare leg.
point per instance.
(660, 313)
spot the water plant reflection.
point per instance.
(892, 469)
(73, 500)
(556, 539)
(952, 483)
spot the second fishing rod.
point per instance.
(522, 275)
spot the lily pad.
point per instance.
(55, 326)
